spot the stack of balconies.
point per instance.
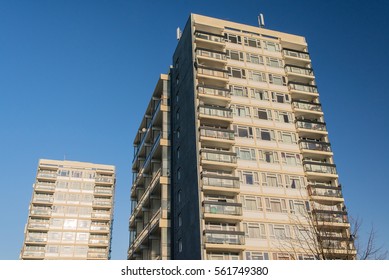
(40, 212)
(217, 160)
(147, 205)
(328, 212)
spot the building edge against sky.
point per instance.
(71, 212)
(247, 156)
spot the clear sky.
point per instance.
(76, 77)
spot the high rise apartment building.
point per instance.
(249, 165)
(71, 211)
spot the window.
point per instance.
(257, 256)
(252, 42)
(297, 206)
(241, 111)
(252, 203)
(279, 231)
(280, 97)
(178, 173)
(63, 173)
(235, 55)
(178, 114)
(257, 76)
(231, 38)
(238, 91)
(273, 62)
(287, 137)
(178, 152)
(271, 46)
(271, 180)
(179, 194)
(254, 58)
(284, 117)
(294, 182)
(255, 230)
(291, 159)
(178, 133)
(277, 80)
(264, 114)
(276, 205)
(77, 174)
(265, 134)
(243, 131)
(268, 156)
(259, 94)
(236, 72)
(245, 154)
(248, 177)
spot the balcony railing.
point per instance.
(220, 181)
(299, 70)
(224, 237)
(216, 111)
(315, 146)
(214, 72)
(209, 36)
(304, 105)
(37, 225)
(312, 125)
(223, 208)
(44, 187)
(36, 254)
(102, 202)
(322, 190)
(101, 215)
(97, 255)
(98, 241)
(223, 92)
(41, 212)
(43, 199)
(295, 53)
(303, 87)
(211, 54)
(99, 228)
(46, 174)
(42, 238)
(218, 156)
(327, 168)
(100, 190)
(218, 133)
(104, 179)
(330, 216)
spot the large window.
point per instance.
(257, 76)
(287, 137)
(268, 156)
(252, 203)
(259, 94)
(254, 58)
(238, 91)
(277, 80)
(280, 97)
(273, 62)
(276, 205)
(252, 42)
(255, 230)
(264, 114)
(248, 177)
(236, 72)
(291, 159)
(265, 134)
(285, 117)
(271, 180)
(245, 154)
(235, 55)
(279, 231)
(243, 131)
(256, 255)
(232, 38)
(241, 111)
(271, 46)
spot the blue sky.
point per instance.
(76, 77)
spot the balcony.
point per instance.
(218, 157)
(103, 191)
(209, 39)
(218, 96)
(96, 255)
(216, 113)
(45, 187)
(41, 212)
(295, 54)
(212, 73)
(99, 228)
(47, 175)
(224, 240)
(306, 108)
(219, 183)
(302, 90)
(211, 56)
(317, 170)
(104, 203)
(219, 136)
(325, 194)
(106, 215)
(315, 149)
(36, 239)
(34, 253)
(330, 218)
(306, 127)
(105, 180)
(299, 74)
(32, 225)
(222, 210)
(43, 199)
